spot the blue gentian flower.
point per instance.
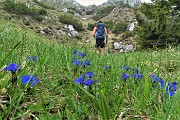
(28, 78)
(107, 67)
(76, 62)
(83, 81)
(35, 58)
(125, 67)
(25, 78)
(86, 63)
(75, 52)
(156, 78)
(29, 58)
(89, 74)
(159, 80)
(162, 83)
(79, 80)
(137, 76)
(81, 54)
(89, 82)
(125, 76)
(171, 93)
(171, 88)
(12, 67)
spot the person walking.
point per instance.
(100, 34)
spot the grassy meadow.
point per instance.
(52, 81)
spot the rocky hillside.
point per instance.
(51, 26)
(47, 24)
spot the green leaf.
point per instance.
(36, 108)
(104, 107)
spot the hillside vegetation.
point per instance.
(64, 79)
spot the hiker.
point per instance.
(100, 34)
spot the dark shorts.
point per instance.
(100, 43)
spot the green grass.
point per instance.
(57, 97)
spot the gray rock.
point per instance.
(118, 45)
(42, 32)
(87, 41)
(128, 48)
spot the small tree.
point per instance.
(69, 19)
(119, 27)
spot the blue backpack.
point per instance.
(100, 31)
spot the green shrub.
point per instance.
(89, 12)
(99, 16)
(71, 11)
(129, 34)
(43, 5)
(21, 8)
(119, 27)
(91, 26)
(102, 12)
(109, 24)
(69, 19)
(9, 5)
(42, 11)
(38, 18)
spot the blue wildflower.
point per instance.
(125, 76)
(81, 54)
(158, 80)
(107, 67)
(83, 81)
(79, 80)
(89, 74)
(25, 78)
(28, 78)
(138, 76)
(29, 58)
(171, 88)
(89, 82)
(12, 67)
(162, 83)
(75, 52)
(76, 62)
(125, 67)
(171, 93)
(86, 63)
(34, 58)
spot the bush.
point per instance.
(38, 18)
(91, 26)
(128, 34)
(89, 12)
(109, 24)
(120, 27)
(9, 5)
(99, 16)
(71, 11)
(21, 8)
(69, 19)
(43, 5)
(42, 11)
(102, 12)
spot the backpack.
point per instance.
(100, 31)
